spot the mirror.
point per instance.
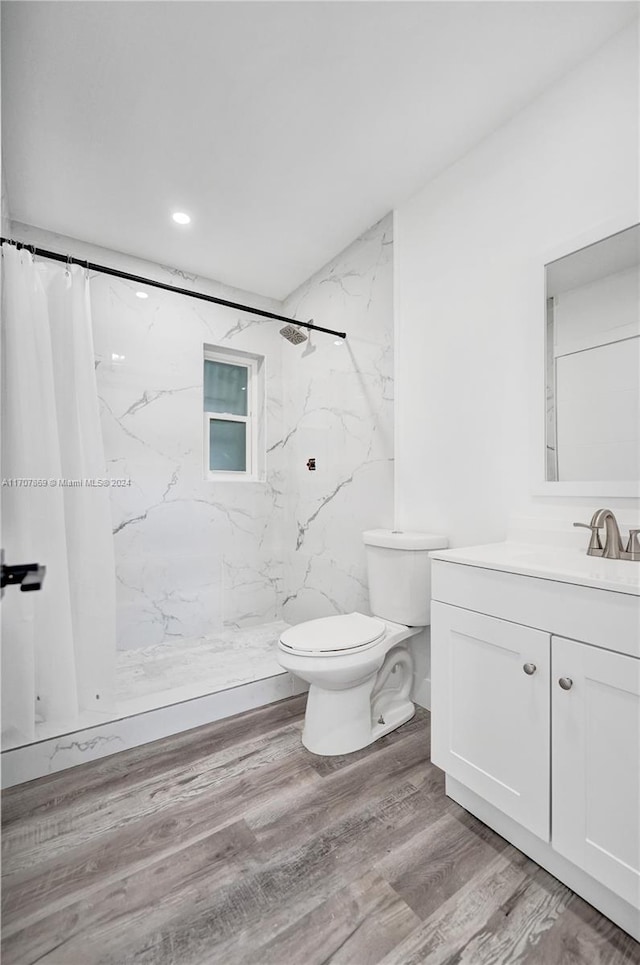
(592, 354)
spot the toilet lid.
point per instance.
(333, 634)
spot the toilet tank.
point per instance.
(399, 574)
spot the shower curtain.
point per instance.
(58, 644)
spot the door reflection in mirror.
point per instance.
(593, 362)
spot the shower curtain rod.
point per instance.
(116, 273)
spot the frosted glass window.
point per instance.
(233, 397)
(225, 387)
(227, 445)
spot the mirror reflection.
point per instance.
(593, 362)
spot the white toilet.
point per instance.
(359, 674)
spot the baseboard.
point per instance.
(34, 760)
(422, 695)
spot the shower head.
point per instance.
(293, 334)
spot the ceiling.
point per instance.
(284, 129)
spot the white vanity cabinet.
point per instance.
(535, 704)
(595, 755)
(490, 709)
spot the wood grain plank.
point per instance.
(582, 935)
(287, 884)
(114, 916)
(47, 835)
(359, 923)
(443, 935)
(437, 861)
(124, 769)
(344, 791)
(107, 856)
(513, 933)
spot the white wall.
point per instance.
(5, 215)
(469, 250)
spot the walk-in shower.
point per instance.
(161, 607)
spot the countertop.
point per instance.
(549, 563)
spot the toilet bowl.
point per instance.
(340, 658)
(359, 668)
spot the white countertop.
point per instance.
(549, 563)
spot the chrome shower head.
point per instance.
(293, 334)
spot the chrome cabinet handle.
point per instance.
(529, 668)
(566, 683)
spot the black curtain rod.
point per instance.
(104, 270)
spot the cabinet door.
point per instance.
(596, 763)
(490, 711)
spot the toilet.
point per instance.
(359, 668)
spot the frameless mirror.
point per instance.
(592, 352)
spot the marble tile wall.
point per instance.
(193, 556)
(338, 409)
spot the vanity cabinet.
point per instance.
(490, 706)
(596, 763)
(539, 732)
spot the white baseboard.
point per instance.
(422, 695)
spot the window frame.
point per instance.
(250, 474)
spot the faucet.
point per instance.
(613, 549)
(612, 539)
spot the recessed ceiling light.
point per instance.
(180, 217)
(142, 294)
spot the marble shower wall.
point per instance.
(191, 556)
(338, 409)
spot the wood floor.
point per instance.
(232, 844)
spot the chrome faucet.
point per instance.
(612, 540)
(612, 549)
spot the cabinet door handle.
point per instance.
(566, 683)
(529, 668)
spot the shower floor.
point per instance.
(175, 671)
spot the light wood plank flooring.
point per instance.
(231, 844)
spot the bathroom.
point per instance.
(417, 223)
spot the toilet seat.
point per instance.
(346, 633)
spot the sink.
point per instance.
(549, 563)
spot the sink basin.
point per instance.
(549, 563)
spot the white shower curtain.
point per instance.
(58, 644)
